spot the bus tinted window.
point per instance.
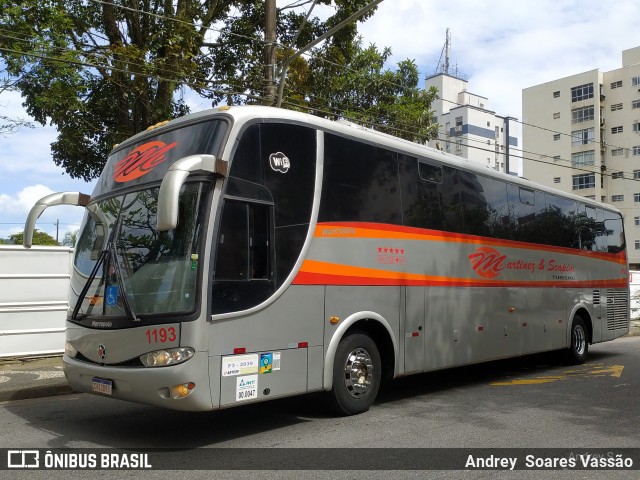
(451, 191)
(526, 206)
(427, 203)
(421, 199)
(360, 183)
(558, 222)
(486, 206)
(610, 232)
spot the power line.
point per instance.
(336, 112)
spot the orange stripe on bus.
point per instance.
(314, 272)
(397, 232)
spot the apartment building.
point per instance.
(581, 134)
(468, 128)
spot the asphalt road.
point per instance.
(529, 403)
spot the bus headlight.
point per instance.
(69, 350)
(170, 356)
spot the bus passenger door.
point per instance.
(414, 329)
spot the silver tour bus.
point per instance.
(248, 253)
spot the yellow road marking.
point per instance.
(587, 370)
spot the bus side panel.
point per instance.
(283, 333)
(544, 324)
(344, 301)
(468, 325)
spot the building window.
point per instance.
(556, 137)
(592, 197)
(616, 106)
(636, 197)
(587, 180)
(617, 84)
(583, 159)
(616, 129)
(488, 123)
(637, 244)
(458, 121)
(635, 104)
(556, 179)
(583, 137)
(556, 115)
(636, 150)
(556, 94)
(636, 174)
(616, 175)
(636, 127)
(616, 152)
(579, 115)
(635, 81)
(636, 221)
(582, 92)
(617, 198)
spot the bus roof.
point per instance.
(241, 115)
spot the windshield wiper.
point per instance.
(88, 283)
(125, 300)
(110, 251)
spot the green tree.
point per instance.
(361, 89)
(10, 125)
(70, 239)
(39, 238)
(102, 70)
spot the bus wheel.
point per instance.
(356, 374)
(579, 342)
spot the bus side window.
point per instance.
(525, 206)
(243, 275)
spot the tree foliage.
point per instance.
(10, 125)
(103, 70)
(39, 238)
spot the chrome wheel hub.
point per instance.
(358, 372)
(579, 339)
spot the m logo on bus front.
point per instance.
(487, 262)
(279, 162)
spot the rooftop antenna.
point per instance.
(444, 66)
(447, 52)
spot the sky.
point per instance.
(501, 46)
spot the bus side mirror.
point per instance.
(62, 198)
(173, 181)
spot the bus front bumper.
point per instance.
(161, 386)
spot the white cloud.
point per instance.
(23, 200)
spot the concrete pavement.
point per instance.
(22, 378)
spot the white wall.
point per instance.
(34, 289)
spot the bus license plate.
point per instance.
(102, 385)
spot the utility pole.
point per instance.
(287, 62)
(506, 122)
(57, 229)
(270, 51)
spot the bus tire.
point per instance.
(579, 347)
(357, 371)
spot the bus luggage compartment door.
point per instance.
(262, 376)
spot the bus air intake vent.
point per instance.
(617, 309)
(596, 297)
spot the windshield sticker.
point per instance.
(112, 295)
(279, 162)
(141, 160)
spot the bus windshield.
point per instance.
(125, 269)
